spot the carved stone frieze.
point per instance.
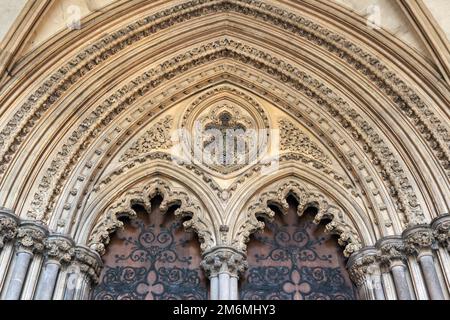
(188, 207)
(277, 195)
(294, 140)
(158, 137)
(8, 227)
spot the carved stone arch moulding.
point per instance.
(189, 210)
(276, 195)
(394, 173)
(422, 117)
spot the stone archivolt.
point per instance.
(340, 116)
(157, 137)
(277, 195)
(391, 169)
(189, 207)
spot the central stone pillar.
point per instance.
(59, 251)
(223, 265)
(393, 257)
(365, 273)
(419, 241)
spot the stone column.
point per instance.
(82, 273)
(59, 251)
(223, 265)
(365, 272)
(392, 256)
(30, 240)
(8, 226)
(419, 241)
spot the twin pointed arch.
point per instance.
(389, 148)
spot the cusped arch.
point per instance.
(275, 193)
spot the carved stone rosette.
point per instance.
(31, 236)
(8, 226)
(59, 249)
(224, 260)
(89, 262)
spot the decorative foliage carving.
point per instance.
(391, 250)
(158, 137)
(59, 248)
(361, 269)
(188, 208)
(224, 259)
(8, 228)
(441, 230)
(294, 140)
(89, 262)
(417, 239)
(31, 237)
(277, 196)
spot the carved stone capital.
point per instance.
(362, 265)
(391, 251)
(224, 260)
(441, 230)
(8, 226)
(418, 239)
(31, 236)
(89, 262)
(59, 249)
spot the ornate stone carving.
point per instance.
(362, 265)
(158, 137)
(391, 250)
(277, 196)
(188, 208)
(224, 259)
(89, 262)
(417, 239)
(294, 140)
(441, 230)
(31, 237)
(393, 173)
(8, 227)
(370, 66)
(59, 249)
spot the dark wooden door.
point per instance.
(152, 258)
(294, 259)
